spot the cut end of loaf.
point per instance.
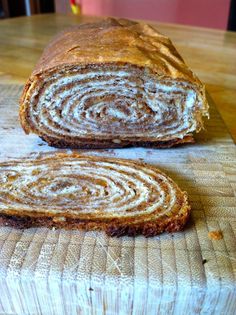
(111, 105)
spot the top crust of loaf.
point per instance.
(115, 41)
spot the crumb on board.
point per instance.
(215, 235)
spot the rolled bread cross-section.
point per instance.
(120, 197)
(114, 83)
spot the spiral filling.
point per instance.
(120, 102)
(88, 187)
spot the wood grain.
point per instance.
(210, 53)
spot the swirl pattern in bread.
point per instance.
(121, 197)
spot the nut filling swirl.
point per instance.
(111, 103)
(75, 191)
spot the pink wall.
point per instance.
(206, 13)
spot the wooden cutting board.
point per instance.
(71, 272)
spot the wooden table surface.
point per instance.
(209, 53)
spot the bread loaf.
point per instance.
(114, 83)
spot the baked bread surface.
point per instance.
(112, 84)
(120, 197)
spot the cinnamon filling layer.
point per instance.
(107, 102)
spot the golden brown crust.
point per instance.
(112, 229)
(115, 41)
(133, 206)
(102, 144)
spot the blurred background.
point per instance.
(219, 14)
